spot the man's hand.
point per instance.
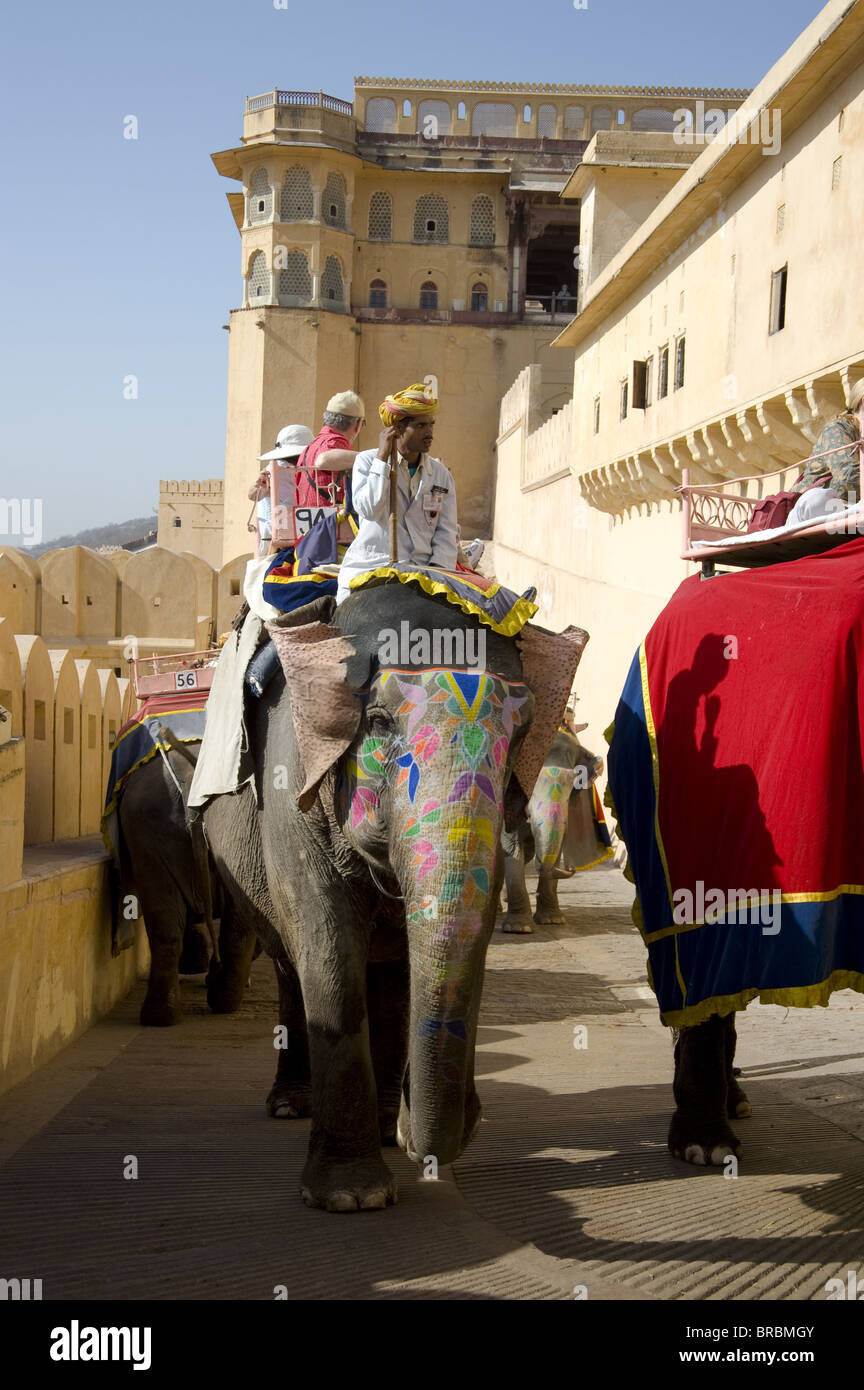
(260, 487)
(386, 439)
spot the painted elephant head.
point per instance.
(425, 759)
(568, 767)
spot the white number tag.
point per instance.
(185, 680)
(305, 517)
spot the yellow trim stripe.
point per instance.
(297, 578)
(139, 723)
(679, 977)
(157, 747)
(765, 900)
(655, 763)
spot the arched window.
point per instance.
(381, 114)
(295, 204)
(574, 122)
(377, 294)
(482, 231)
(601, 118)
(428, 295)
(433, 119)
(295, 282)
(331, 282)
(479, 298)
(333, 201)
(380, 217)
(547, 118)
(493, 118)
(431, 218)
(260, 197)
(259, 277)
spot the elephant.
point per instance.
(365, 853)
(562, 799)
(707, 1093)
(164, 874)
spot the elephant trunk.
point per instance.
(447, 963)
(548, 839)
(547, 812)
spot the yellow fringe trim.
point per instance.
(608, 853)
(521, 613)
(799, 997)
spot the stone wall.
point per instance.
(62, 717)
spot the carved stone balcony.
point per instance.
(758, 437)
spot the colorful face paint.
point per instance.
(444, 773)
(548, 809)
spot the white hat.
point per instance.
(290, 441)
(346, 403)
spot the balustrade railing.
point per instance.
(286, 98)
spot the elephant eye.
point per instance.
(379, 720)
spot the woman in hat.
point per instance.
(290, 444)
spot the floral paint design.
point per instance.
(469, 718)
(548, 808)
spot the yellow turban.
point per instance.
(414, 400)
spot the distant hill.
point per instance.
(119, 533)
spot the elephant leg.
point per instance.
(195, 954)
(737, 1105)
(517, 918)
(548, 911)
(291, 1093)
(344, 1170)
(165, 920)
(227, 978)
(699, 1132)
(388, 990)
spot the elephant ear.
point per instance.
(549, 663)
(325, 709)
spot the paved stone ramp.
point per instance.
(572, 1155)
(567, 1184)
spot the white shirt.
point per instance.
(428, 533)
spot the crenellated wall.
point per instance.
(68, 621)
(66, 715)
(93, 605)
(58, 724)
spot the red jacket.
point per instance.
(312, 483)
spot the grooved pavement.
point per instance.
(568, 1182)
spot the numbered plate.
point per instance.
(305, 517)
(185, 680)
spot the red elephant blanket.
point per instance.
(737, 773)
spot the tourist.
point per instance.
(831, 484)
(290, 443)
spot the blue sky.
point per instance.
(121, 255)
